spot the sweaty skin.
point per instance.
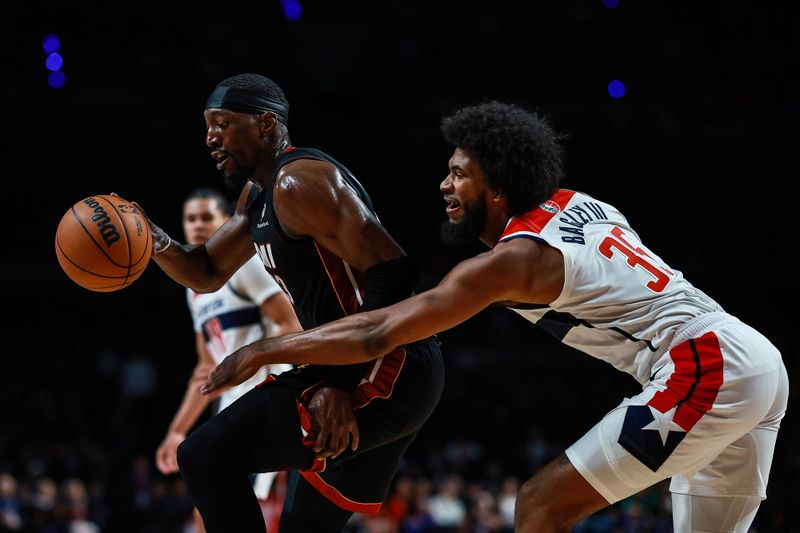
(311, 199)
(516, 271)
(520, 270)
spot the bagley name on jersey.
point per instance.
(578, 216)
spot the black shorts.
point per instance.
(397, 395)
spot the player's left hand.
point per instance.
(234, 369)
(334, 420)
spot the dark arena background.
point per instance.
(685, 115)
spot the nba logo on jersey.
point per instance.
(550, 206)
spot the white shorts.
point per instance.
(708, 418)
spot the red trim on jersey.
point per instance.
(387, 369)
(269, 379)
(536, 219)
(310, 437)
(340, 281)
(337, 498)
(705, 359)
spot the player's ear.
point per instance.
(267, 121)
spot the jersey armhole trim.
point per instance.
(239, 294)
(524, 235)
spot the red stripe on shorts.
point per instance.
(694, 384)
(379, 379)
(337, 498)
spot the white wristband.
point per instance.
(169, 241)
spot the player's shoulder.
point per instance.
(516, 251)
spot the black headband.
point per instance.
(244, 101)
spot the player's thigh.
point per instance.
(733, 514)
(260, 431)
(712, 390)
(743, 467)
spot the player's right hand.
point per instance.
(160, 238)
(167, 453)
(335, 422)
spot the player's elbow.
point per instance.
(206, 285)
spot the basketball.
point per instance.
(103, 243)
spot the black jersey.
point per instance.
(321, 285)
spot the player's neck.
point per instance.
(267, 166)
(495, 225)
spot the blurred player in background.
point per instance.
(250, 306)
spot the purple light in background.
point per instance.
(292, 10)
(51, 44)
(56, 79)
(616, 89)
(54, 62)
(611, 4)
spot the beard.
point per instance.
(237, 179)
(469, 228)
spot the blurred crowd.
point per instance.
(417, 503)
(76, 452)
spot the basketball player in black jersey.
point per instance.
(341, 429)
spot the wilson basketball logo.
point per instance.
(100, 217)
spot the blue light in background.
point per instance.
(56, 79)
(611, 4)
(51, 44)
(616, 89)
(292, 10)
(54, 62)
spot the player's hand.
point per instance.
(167, 453)
(234, 369)
(200, 377)
(160, 238)
(334, 420)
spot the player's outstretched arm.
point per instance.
(206, 267)
(521, 271)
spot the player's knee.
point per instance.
(188, 458)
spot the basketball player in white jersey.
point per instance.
(250, 306)
(714, 390)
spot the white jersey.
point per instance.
(620, 302)
(231, 318)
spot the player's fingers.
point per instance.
(215, 380)
(333, 446)
(209, 387)
(354, 437)
(161, 461)
(338, 444)
(141, 210)
(322, 440)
